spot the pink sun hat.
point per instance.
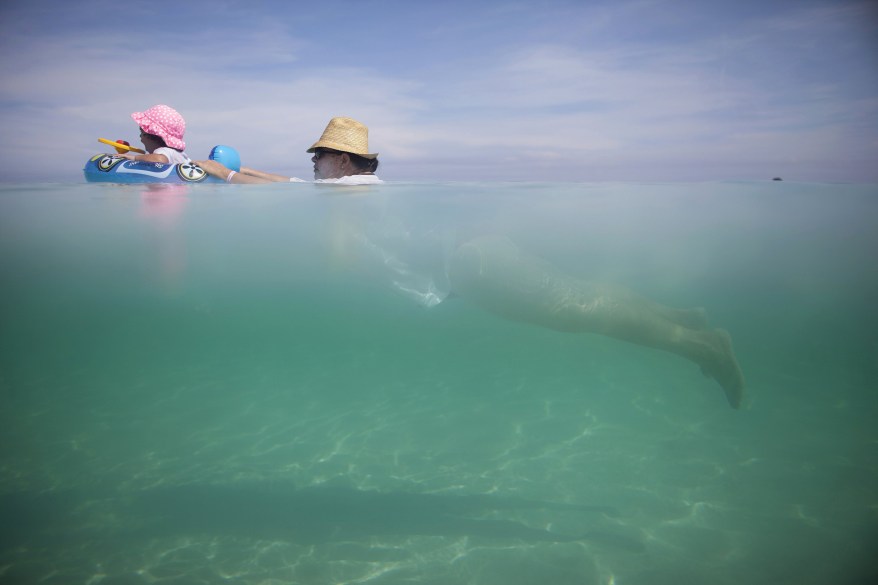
(163, 121)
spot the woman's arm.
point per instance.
(219, 170)
(272, 177)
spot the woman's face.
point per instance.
(330, 164)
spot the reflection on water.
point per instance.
(162, 206)
(252, 385)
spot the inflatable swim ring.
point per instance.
(109, 168)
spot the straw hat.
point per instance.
(163, 121)
(346, 135)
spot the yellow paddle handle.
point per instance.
(120, 148)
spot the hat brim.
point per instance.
(341, 148)
(152, 127)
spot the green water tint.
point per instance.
(167, 354)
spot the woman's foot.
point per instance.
(722, 366)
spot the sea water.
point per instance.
(276, 384)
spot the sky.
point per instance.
(603, 90)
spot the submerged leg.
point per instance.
(494, 274)
(695, 318)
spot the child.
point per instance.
(161, 131)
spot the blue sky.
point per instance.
(642, 90)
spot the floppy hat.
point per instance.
(346, 135)
(163, 121)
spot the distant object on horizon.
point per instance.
(777, 179)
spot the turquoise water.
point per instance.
(221, 384)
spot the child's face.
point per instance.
(149, 142)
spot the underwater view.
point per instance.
(439, 383)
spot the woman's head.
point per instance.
(334, 164)
(162, 122)
(343, 150)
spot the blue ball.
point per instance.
(227, 156)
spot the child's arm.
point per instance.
(159, 158)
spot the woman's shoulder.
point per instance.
(353, 180)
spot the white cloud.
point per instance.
(579, 106)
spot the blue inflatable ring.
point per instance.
(109, 168)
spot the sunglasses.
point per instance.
(321, 152)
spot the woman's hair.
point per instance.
(363, 164)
